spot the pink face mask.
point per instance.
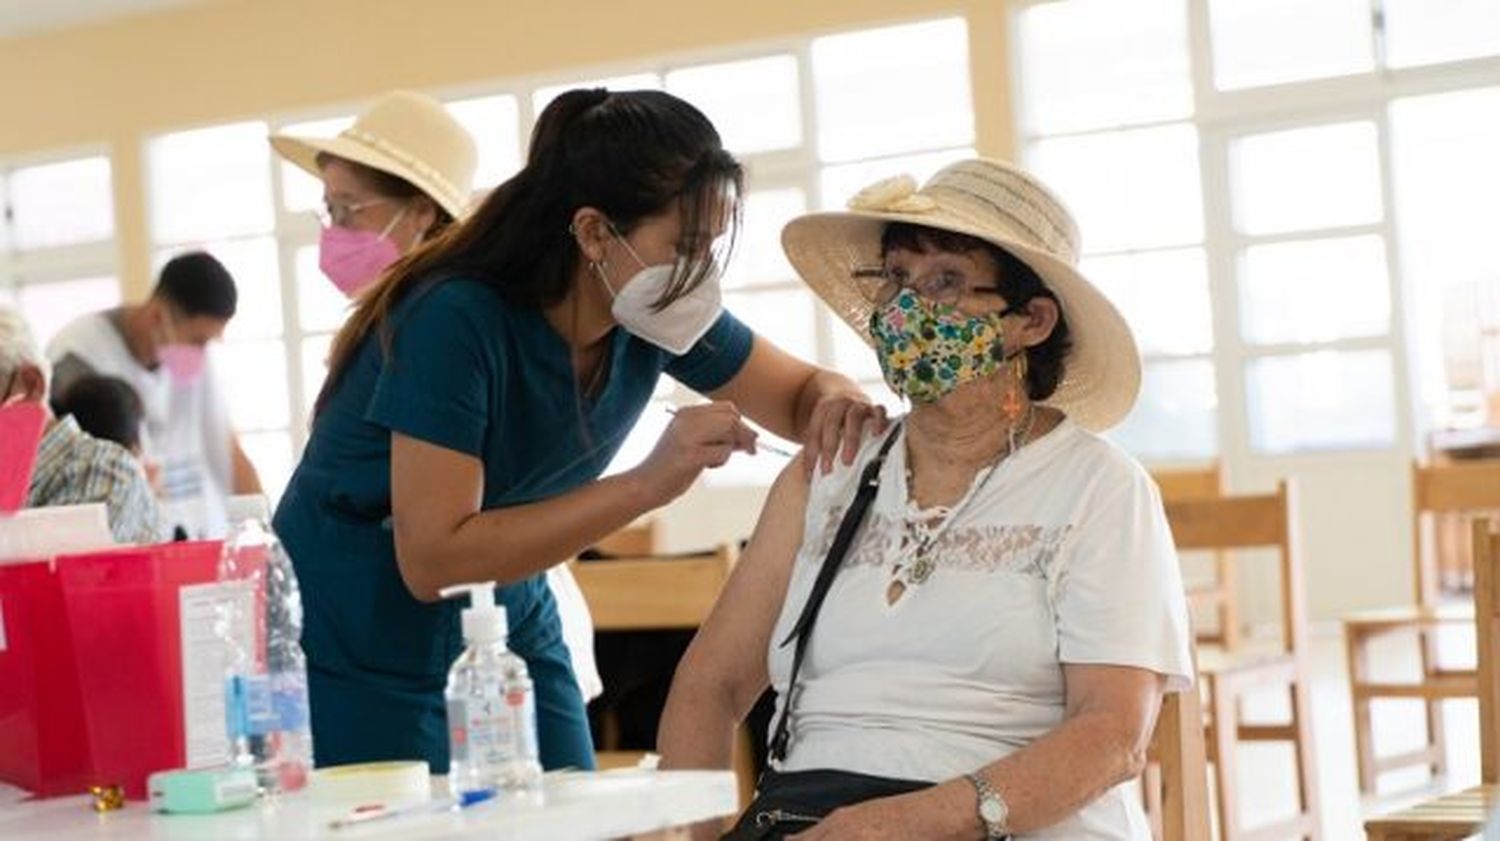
(354, 259)
(184, 363)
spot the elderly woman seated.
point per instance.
(970, 628)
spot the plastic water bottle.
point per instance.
(491, 705)
(260, 625)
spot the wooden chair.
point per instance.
(1219, 594)
(1464, 813)
(635, 541)
(1176, 780)
(640, 594)
(1255, 522)
(1436, 490)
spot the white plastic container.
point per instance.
(491, 705)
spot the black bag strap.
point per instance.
(869, 483)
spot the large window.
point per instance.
(1231, 164)
(810, 120)
(57, 225)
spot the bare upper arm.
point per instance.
(1128, 696)
(433, 491)
(731, 646)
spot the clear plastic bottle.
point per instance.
(260, 624)
(491, 705)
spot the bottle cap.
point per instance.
(483, 620)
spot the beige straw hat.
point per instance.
(409, 135)
(996, 202)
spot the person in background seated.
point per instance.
(159, 346)
(108, 408)
(1002, 614)
(105, 407)
(72, 467)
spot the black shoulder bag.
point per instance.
(788, 803)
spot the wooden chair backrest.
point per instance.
(1190, 483)
(638, 594)
(1469, 486)
(1250, 521)
(637, 541)
(1178, 746)
(1487, 632)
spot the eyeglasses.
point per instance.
(342, 213)
(881, 285)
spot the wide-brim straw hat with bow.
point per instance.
(999, 203)
(406, 134)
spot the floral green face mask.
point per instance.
(929, 349)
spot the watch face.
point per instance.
(992, 810)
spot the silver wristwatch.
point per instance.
(993, 811)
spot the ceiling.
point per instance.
(32, 17)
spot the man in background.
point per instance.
(159, 347)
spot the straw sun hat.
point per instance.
(996, 202)
(409, 135)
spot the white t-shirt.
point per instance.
(187, 426)
(1063, 555)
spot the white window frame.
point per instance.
(36, 266)
(1223, 116)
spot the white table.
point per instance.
(603, 805)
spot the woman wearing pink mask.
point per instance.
(393, 180)
(158, 346)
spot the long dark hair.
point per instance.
(628, 154)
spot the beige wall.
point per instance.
(119, 83)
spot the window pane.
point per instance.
(920, 71)
(758, 257)
(210, 183)
(257, 277)
(1266, 42)
(756, 105)
(495, 122)
(1137, 68)
(642, 438)
(1432, 31)
(1333, 400)
(314, 368)
(49, 306)
(785, 318)
(1164, 296)
(300, 191)
(1316, 291)
(840, 183)
(271, 453)
(1307, 178)
(542, 97)
(1176, 415)
(253, 378)
(1131, 189)
(61, 203)
(320, 305)
(851, 356)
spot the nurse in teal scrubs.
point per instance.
(482, 386)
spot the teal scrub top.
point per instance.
(468, 371)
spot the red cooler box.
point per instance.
(123, 681)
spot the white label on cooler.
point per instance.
(202, 676)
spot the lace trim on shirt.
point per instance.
(1018, 549)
